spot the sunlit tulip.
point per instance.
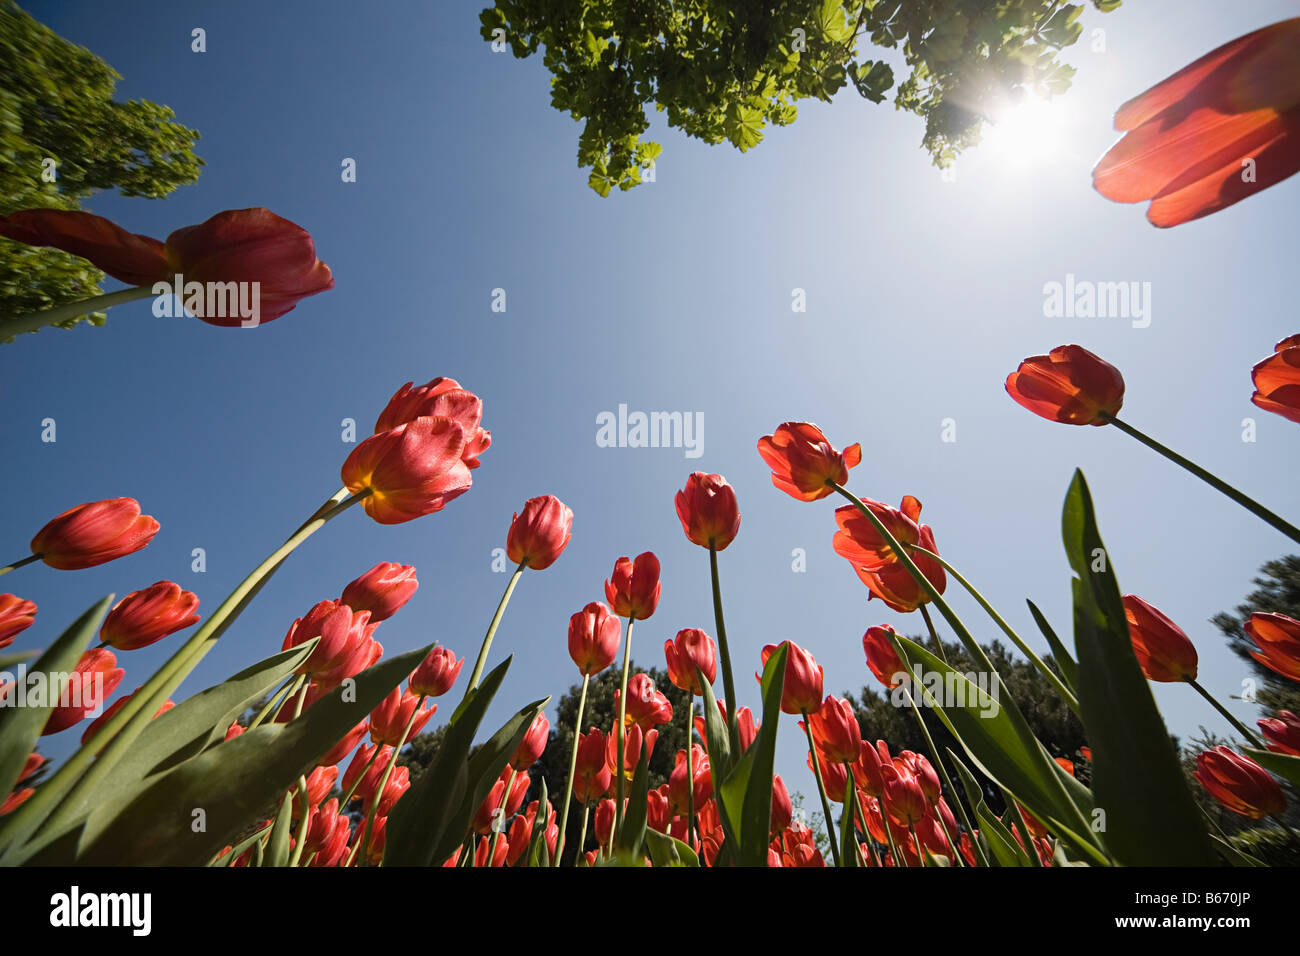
(1163, 651)
(592, 777)
(866, 770)
(1239, 783)
(632, 741)
(499, 805)
(339, 628)
(436, 673)
(874, 560)
(95, 678)
(925, 773)
(16, 615)
(319, 783)
(702, 780)
(1277, 380)
(835, 778)
(409, 471)
(801, 848)
(647, 706)
(882, 658)
(365, 770)
(803, 460)
(802, 690)
(520, 834)
(744, 720)
(875, 821)
(594, 634)
(632, 590)
(658, 812)
(540, 532)
(382, 590)
(835, 730)
(109, 712)
(1278, 639)
(440, 398)
(144, 617)
(361, 654)
(604, 821)
(1069, 384)
(530, 748)
(903, 798)
(94, 533)
(708, 511)
(688, 655)
(782, 808)
(1282, 733)
(395, 713)
(327, 834)
(1219, 130)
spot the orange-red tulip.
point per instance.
(1277, 380)
(801, 848)
(1283, 733)
(409, 471)
(96, 677)
(594, 633)
(389, 719)
(1217, 131)
(15, 800)
(631, 750)
(708, 511)
(604, 821)
(361, 654)
(632, 590)
(925, 774)
(144, 617)
(540, 533)
(658, 813)
(835, 730)
(1239, 783)
(1069, 384)
(592, 776)
(702, 780)
(874, 560)
(1163, 651)
(365, 769)
(688, 655)
(499, 806)
(94, 533)
(744, 720)
(1278, 639)
(440, 398)
(344, 746)
(647, 706)
(530, 748)
(802, 691)
(882, 658)
(835, 778)
(339, 628)
(866, 769)
(803, 460)
(108, 714)
(16, 615)
(782, 808)
(382, 590)
(904, 799)
(436, 673)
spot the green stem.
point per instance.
(292, 686)
(1250, 504)
(492, 628)
(849, 809)
(619, 733)
(690, 771)
(1241, 728)
(347, 797)
(728, 684)
(920, 850)
(573, 768)
(300, 840)
(821, 787)
(18, 564)
(582, 835)
(34, 321)
(929, 624)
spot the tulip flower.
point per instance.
(680, 794)
(592, 777)
(93, 533)
(440, 398)
(409, 471)
(834, 779)
(436, 673)
(782, 808)
(273, 256)
(1277, 380)
(16, 615)
(632, 741)
(904, 799)
(1219, 130)
(1239, 784)
(540, 533)
(344, 747)
(689, 655)
(1070, 385)
(339, 628)
(1283, 732)
(327, 834)
(501, 804)
(647, 706)
(1278, 639)
(866, 770)
(801, 848)
(367, 766)
(364, 652)
(802, 690)
(117, 705)
(1164, 651)
(530, 748)
(594, 634)
(15, 800)
(835, 730)
(144, 617)
(882, 656)
(708, 511)
(319, 784)
(744, 717)
(604, 822)
(520, 833)
(658, 813)
(804, 462)
(399, 717)
(96, 677)
(382, 590)
(874, 561)
(632, 590)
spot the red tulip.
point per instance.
(382, 590)
(33, 763)
(398, 710)
(94, 533)
(410, 471)
(378, 839)
(904, 799)
(398, 783)
(875, 817)
(540, 533)
(1283, 733)
(647, 706)
(658, 814)
(236, 729)
(1069, 385)
(882, 657)
(782, 809)
(866, 770)
(1277, 380)
(631, 750)
(691, 653)
(499, 806)
(801, 848)
(520, 833)
(594, 633)
(803, 461)
(96, 677)
(1278, 639)
(1065, 764)
(592, 777)
(744, 720)
(144, 617)
(925, 774)
(1163, 651)
(835, 778)
(702, 780)
(440, 398)
(108, 714)
(1239, 783)
(346, 745)
(339, 628)
(530, 748)
(15, 800)
(436, 673)
(633, 588)
(1219, 130)
(360, 655)
(319, 783)
(874, 560)
(708, 511)
(365, 770)
(238, 245)
(802, 691)
(16, 615)
(327, 834)
(604, 821)
(835, 730)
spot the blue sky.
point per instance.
(922, 295)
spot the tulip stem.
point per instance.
(690, 770)
(619, 733)
(492, 628)
(929, 624)
(301, 837)
(34, 321)
(728, 684)
(573, 769)
(1057, 684)
(287, 690)
(1241, 728)
(388, 772)
(497, 826)
(851, 788)
(920, 851)
(821, 787)
(862, 815)
(1250, 504)
(18, 564)
(582, 836)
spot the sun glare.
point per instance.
(1027, 133)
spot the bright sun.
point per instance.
(1027, 133)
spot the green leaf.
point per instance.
(231, 782)
(1284, 765)
(1151, 818)
(848, 839)
(277, 847)
(997, 838)
(669, 851)
(538, 854)
(1064, 662)
(715, 735)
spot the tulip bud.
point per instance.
(436, 673)
(592, 776)
(691, 653)
(96, 677)
(1283, 733)
(882, 657)
(835, 730)
(540, 533)
(93, 534)
(1163, 651)
(594, 634)
(382, 590)
(1278, 639)
(339, 630)
(530, 748)
(145, 617)
(16, 615)
(633, 588)
(1239, 784)
(398, 711)
(708, 512)
(802, 691)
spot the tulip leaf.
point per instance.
(715, 734)
(996, 837)
(228, 859)
(230, 783)
(1284, 765)
(1064, 662)
(17, 657)
(538, 854)
(1150, 817)
(631, 835)
(848, 835)
(277, 847)
(20, 727)
(669, 851)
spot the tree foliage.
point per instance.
(723, 71)
(62, 138)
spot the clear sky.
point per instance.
(921, 296)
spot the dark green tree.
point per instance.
(62, 138)
(722, 71)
